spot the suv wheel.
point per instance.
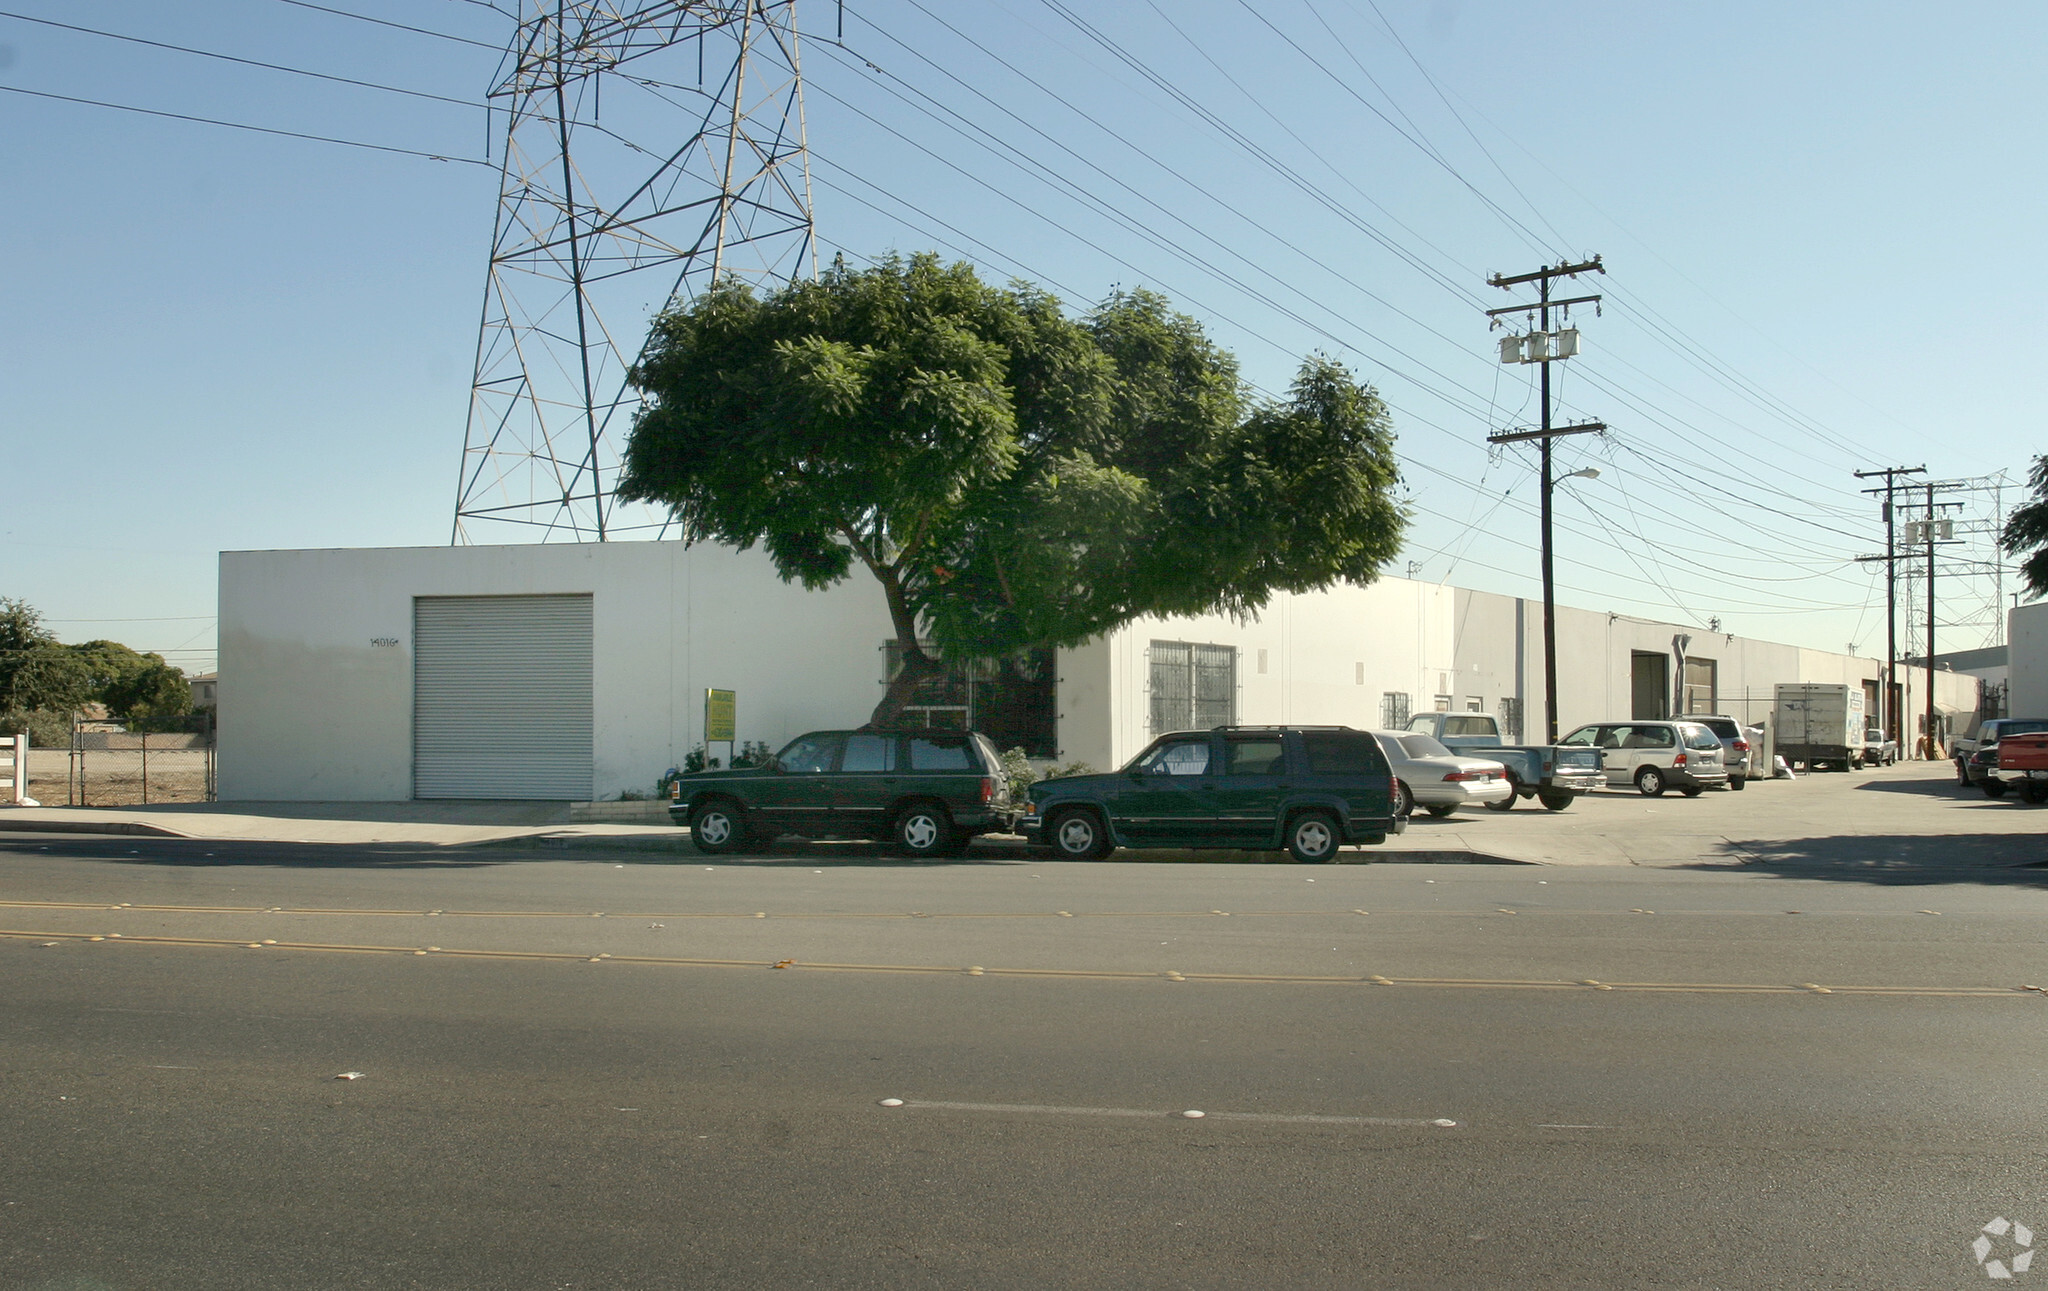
(1738, 781)
(923, 829)
(716, 827)
(1312, 837)
(1077, 835)
(1651, 781)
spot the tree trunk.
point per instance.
(918, 667)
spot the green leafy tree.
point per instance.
(2026, 530)
(1010, 476)
(36, 673)
(131, 684)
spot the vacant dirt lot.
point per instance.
(114, 777)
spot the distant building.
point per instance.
(205, 689)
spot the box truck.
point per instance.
(1818, 724)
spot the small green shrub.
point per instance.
(1017, 769)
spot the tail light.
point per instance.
(1470, 775)
(988, 790)
(1678, 761)
(1742, 746)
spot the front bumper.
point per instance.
(1585, 781)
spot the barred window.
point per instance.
(1511, 718)
(1194, 687)
(1393, 710)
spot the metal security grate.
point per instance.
(1394, 710)
(1193, 686)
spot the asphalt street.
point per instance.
(609, 1070)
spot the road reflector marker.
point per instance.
(1596, 985)
(892, 1102)
(1172, 976)
(1193, 1115)
(975, 971)
(1377, 980)
(1444, 1123)
(1817, 990)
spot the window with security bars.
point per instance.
(1194, 687)
(1394, 710)
(1010, 699)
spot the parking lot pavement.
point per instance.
(1910, 817)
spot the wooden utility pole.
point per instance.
(1542, 278)
(1893, 719)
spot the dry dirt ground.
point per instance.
(114, 778)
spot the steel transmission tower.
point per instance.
(650, 147)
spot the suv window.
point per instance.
(938, 754)
(1254, 755)
(1178, 757)
(1699, 737)
(810, 753)
(1723, 727)
(869, 753)
(1343, 753)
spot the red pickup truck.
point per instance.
(2023, 762)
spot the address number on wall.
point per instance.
(385, 643)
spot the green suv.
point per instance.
(929, 791)
(1308, 789)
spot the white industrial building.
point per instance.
(578, 672)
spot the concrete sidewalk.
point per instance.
(1908, 817)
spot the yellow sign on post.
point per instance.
(721, 716)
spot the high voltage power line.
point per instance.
(1456, 394)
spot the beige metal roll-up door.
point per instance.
(501, 702)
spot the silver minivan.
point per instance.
(1655, 756)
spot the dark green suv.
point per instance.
(1308, 789)
(930, 791)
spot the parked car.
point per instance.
(928, 791)
(1655, 756)
(1877, 750)
(1983, 772)
(1439, 780)
(1308, 789)
(1551, 775)
(1735, 748)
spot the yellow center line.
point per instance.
(1298, 979)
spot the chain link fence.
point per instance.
(115, 766)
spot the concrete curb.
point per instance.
(129, 827)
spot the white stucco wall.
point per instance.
(311, 709)
(1426, 639)
(2026, 639)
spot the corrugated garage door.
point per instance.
(501, 697)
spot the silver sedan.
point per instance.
(1438, 780)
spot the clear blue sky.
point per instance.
(1818, 221)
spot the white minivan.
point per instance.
(1655, 756)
